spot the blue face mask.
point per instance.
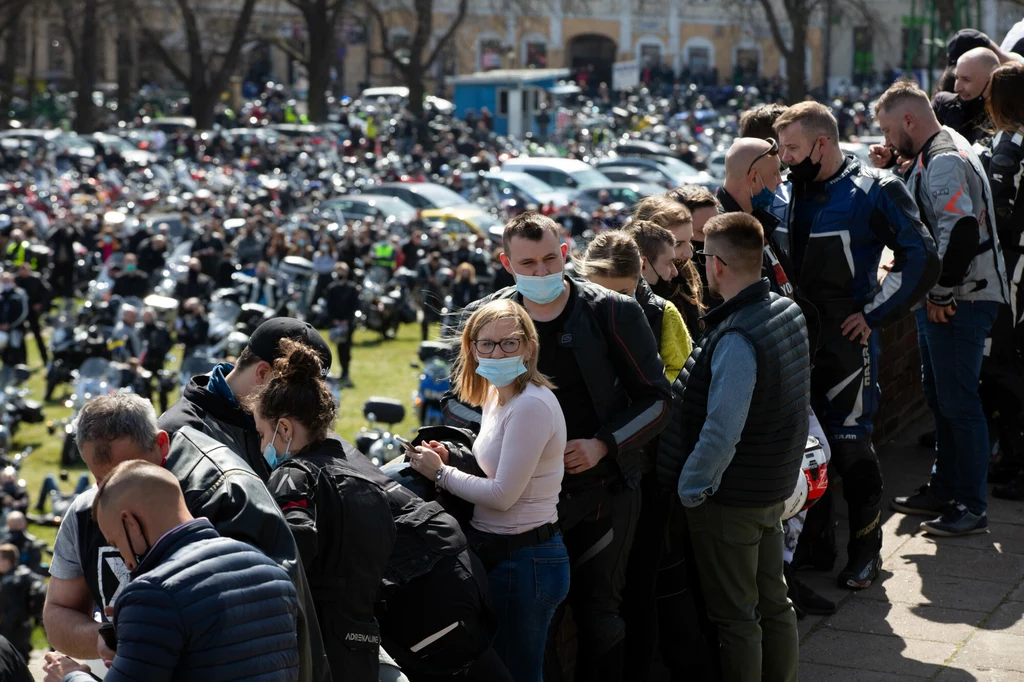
(270, 452)
(540, 290)
(763, 199)
(502, 371)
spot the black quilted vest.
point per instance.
(770, 450)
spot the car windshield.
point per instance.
(439, 196)
(677, 167)
(590, 178)
(485, 221)
(529, 184)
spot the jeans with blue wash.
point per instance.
(526, 588)
(951, 355)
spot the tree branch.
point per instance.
(161, 52)
(773, 26)
(237, 40)
(386, 50)
(460, 16)
(287, 48)
(194, 40)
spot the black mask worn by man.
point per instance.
(138, 557)
(807, 170)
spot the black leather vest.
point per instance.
(770, 450)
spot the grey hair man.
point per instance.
(217, 484)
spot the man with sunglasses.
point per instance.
(841, 217)
(752, 180)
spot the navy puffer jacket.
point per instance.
(203, 607)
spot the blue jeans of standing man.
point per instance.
(951, 355)
(526, 588)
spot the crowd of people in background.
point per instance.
(642, 407)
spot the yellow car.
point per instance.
(466, 222)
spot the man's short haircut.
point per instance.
(740, 237)
(662, 211)
(529, 225)
(903, 91)
(650, 238)
(760, 122)
(11, 553)
(693, 197)
(815, 119)
(115, 416)
(139, 478)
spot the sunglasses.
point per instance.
(703, 257)
(771, 151)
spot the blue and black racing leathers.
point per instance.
(835, 233)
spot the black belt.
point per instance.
(511, 543)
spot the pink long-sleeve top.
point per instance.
(520, 447)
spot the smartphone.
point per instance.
(406, 445)
(109, 635)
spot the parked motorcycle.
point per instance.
(380, 304)
(435, 379)
(379, 443)
(96, 377)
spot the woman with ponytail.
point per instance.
(341, 520)
(520, 446)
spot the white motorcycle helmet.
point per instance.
(811, 482)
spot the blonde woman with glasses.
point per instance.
(520, 446)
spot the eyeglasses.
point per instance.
(485, 347)
(771, 151)
(703, 256)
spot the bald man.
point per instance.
(752, 179)
(964, 109)
(974, 73)
(30, 548)
(952, 192)
(187, 613)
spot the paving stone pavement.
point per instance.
(944, 609)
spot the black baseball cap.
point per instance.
(964, 41)
(266, 340)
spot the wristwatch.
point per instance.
(437, 477)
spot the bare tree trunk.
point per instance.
(85, 71)
(321, 56)
(10, 64)
(204, 99)
(124, 62)
(414, 81)
(796, 64)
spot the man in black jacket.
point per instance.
(131, 282)
(195, 284)
(12, 667)
(62, 240)
(216, 483)
(21, 594)
(342, 304)
(156, 342)
(152, 254)
(38, 299)
(745, 412)
(600, 352)
(14, 310)
(211, 403)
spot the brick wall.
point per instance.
(900, 378)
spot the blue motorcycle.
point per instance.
(435, 380)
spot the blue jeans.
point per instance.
(526, 589)
(951, 355)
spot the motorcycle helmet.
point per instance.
(811, 482)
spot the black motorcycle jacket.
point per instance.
(156, 344)
(624, 376)
(342, 300)
(217, 484)
(1004, 162)
(341, 520)
(776, 261)
(218, 418)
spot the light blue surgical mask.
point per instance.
(763, 199)
(270, 452)
(540, 290)
(501, 371)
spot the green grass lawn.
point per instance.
(379, 368)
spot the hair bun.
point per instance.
(299, 363)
